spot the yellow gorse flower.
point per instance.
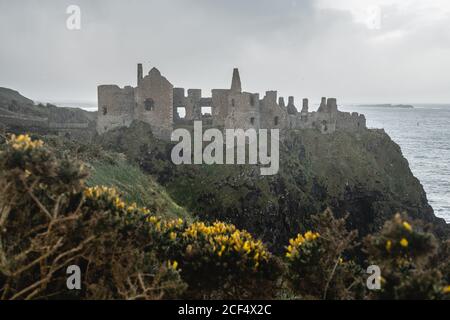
(296, 243)
(100, 191)
(112, 196)
(172, 265)
(404, 243)
(388, 245)
(23, 142)
(166, 225)
(224, 239)
(132, 208)
(446, 289)
(407, 226)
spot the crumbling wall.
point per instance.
(115, 107)
(272, 115)
(193, 105)
(219, 106)
(179, 101)
(350, 121)
(23, 121)
(154, 103)
(244, 111)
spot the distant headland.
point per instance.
(400, 106)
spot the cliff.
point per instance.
(18, 113)
(361, 174)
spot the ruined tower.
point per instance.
(323, 105)
(332, 105)
(140, 73)
(305, 105)
(291, 109)
(236, 86)
(281, 102)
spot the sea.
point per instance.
(423, 134)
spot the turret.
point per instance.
(291, 109)
(236, 86)
(139, 73)
(281, 102)
(323, 105)
(331, 105)
(305, 106)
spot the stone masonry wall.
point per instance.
(154, 103)
(115, 107)
(244, 111)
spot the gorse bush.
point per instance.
(406, 254)
(217, 260)
(50, 219)
(317, 263)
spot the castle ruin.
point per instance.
(155, 100)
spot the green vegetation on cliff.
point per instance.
(50, 219)
(136, 187)
(363, 174)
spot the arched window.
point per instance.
(232, 102)
(252, 120)
(275, 121)
(252, 101)
(105, 110)
(149, 104)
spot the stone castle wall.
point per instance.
(156, 102)
(115, 107)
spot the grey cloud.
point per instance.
(292, 46)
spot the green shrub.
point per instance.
(403, 250)
(49, 220)
(136, 187)
(217, 260)
(317, 263)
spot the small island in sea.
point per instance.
(401, 106)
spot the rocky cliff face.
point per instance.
(363, 175)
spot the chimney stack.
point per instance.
(281, 102)
(291, 109)
(323, 105)
(139, 73)
(305, 105)
(236, 82)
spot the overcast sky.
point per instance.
(355, 50)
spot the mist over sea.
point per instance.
(423, 134)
